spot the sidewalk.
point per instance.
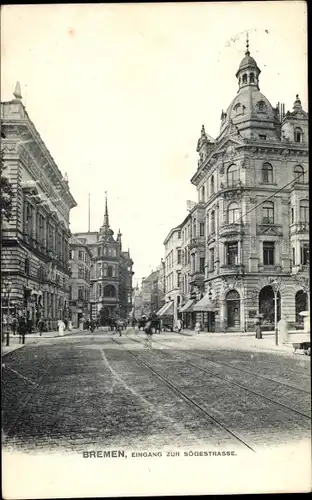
(30, 338)
(248, 341)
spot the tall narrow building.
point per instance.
(110, 275)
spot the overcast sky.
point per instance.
(119, 94)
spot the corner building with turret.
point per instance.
(252, 184)
(110, 274)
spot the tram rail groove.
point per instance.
(231, 382)
(184, 396)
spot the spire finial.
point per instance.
(17, 92)
(106, 220)
(247, 53)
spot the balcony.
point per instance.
(233, 269)
(198, 242)
(197, 278)
(299, 227)
(233, 228)
(231, 185)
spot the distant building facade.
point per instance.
(79, 292)
(35, 242)
(110, 274)
(173, 267)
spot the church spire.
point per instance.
(106, 218)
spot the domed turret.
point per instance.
(248, 71)
(250, 112)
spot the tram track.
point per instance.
(190, 401)
(231, 382)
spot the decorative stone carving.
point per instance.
(285, 152)
(253, 243)
(253, 201)
(285, 201)
(269, 230)
(221, 170)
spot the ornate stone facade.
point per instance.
(79, 293)
(254, 185)
(35, 240)
(110, 274)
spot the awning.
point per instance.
(160, 310)
(188, 306)
(167, 310)
(205, 304)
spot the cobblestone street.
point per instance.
(88, 391)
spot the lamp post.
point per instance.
(275, 284)
(8, 288)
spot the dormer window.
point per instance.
(238, 108)
(298, 135)
(261, 106)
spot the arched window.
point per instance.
(238, 108)
(252, 78)
(304, 211)
(212, 185)
(268, 212)
(261, 106)
(244, 78)
(202, 195)
(299, 174)
(109, 291)
(267, 173)
(110, 272)
(233, 175)
(233, 213)
(298, 135)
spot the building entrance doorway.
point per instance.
(105, 316)
(301, 301)
(233, 309)
(267, 305)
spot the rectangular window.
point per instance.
(232, 254)
(80, 293)
(179, 256)
(268, 213)
(202, 265)
(268, 253)
(293, 256)
(178, 279)
(212, 258)
(292, 215)
(304, 212)
(179, 235)
(304, 254)
(80, 272)
(212, 221)
(81, 255)
(262, 137)
(201, 229)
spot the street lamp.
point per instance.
(7, 289)
(275, 287)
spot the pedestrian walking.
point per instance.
(179, 324)
(197, 327)
(149, 332)
(40, 326)
(70, 326)
(21, 329)
(60, 327)
(14, 326)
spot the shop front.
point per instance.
(205, 313)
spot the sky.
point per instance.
(119, 94)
